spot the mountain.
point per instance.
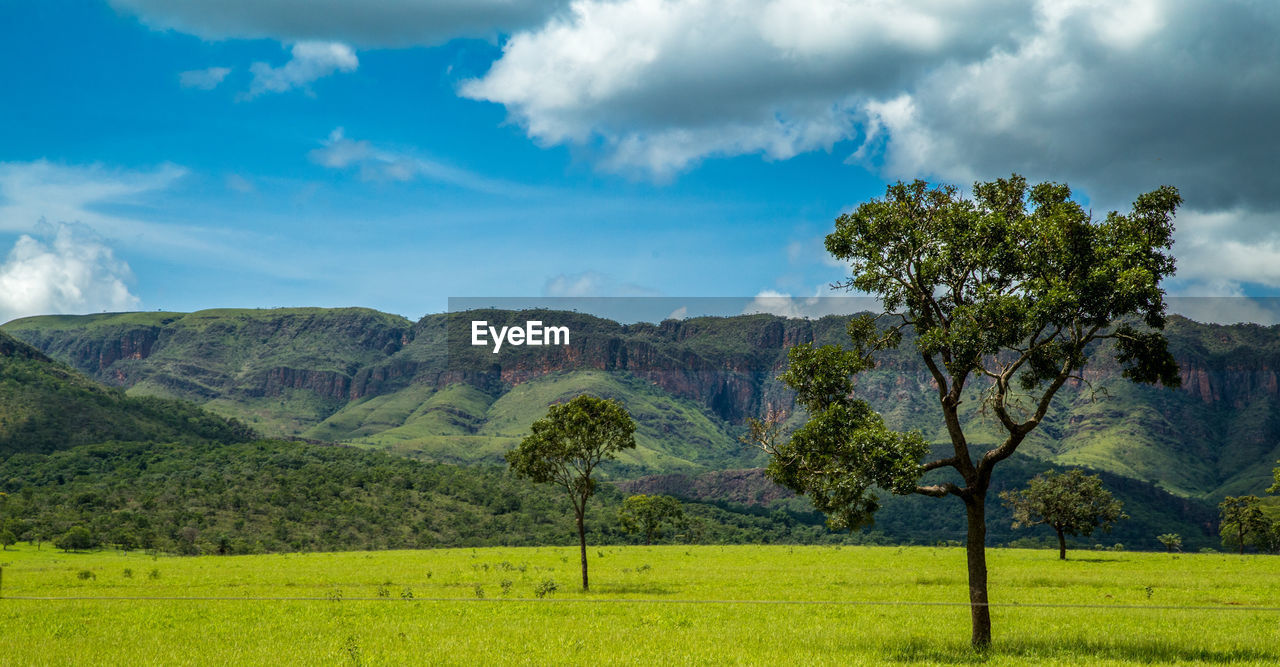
(162, 473)
(46, 406)
(380, 381)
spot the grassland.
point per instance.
(680, 604)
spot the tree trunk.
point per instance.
(1062, 544)
(976, 549)
(582, 543)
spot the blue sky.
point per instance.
(393, 154)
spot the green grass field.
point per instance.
(672, 604)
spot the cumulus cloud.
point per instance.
(661, 85)
(773, 302)
(389, 164)
(1115, 97)
(203, 79)
(367, 23)
(1119, 97)
(72, 271)
(308, 62)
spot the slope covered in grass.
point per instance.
(460, 423)
(45, 406)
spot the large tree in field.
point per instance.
(565, 447)
(1007, 293)
(1070, 504)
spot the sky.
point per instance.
(394, 154)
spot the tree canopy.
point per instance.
(1243, 523)
(1008, 291)
(565, 447)
(646, 514)
(1071, 504)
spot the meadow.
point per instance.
(680, 604)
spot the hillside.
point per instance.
(276, 496)
(45, 406)
(901, 519)
(377, 380)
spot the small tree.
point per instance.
(1242, 522)
(1070, 504)
(646, 514)
(78, 538)
(1171, 541)
(7, 538)
(565, 447)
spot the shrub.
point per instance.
(547, 587)
(77, 539)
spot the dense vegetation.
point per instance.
(266, 496)
(45, 406)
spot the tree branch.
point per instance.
(940, 490)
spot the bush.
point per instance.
(547, 587)
(77, 539)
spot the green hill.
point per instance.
(376, 380)
(462, 424)
(271, 496)
(45, 406)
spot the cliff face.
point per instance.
(1221, 425)
(209, 354)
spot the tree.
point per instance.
(646, 515)
(565, 447)
(1171, 541)
(7, 538)
(1242, 522)
(78, 538)
(1011, 291)
(1070, 504)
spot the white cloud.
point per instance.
(661, 85)
(71, 272)
(1227, 306)
(389, 164)
(120, 204)
(308, 62)
(587, 283)
(203, 79)
(31, 191)
(1115, 98)
(1219, 250)
(773, 302)
(368, 23)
